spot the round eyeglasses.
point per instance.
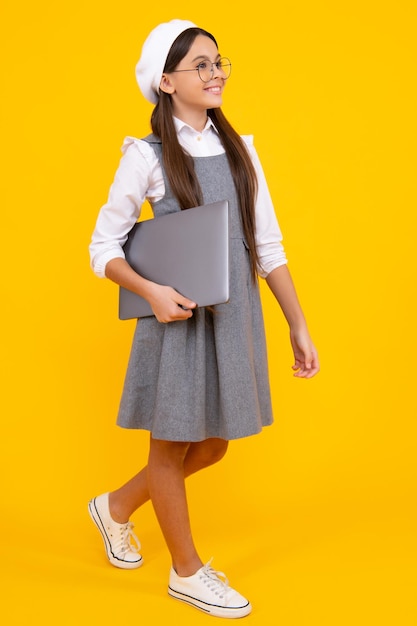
(205, 69)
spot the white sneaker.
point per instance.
(208, 591)
(117, 537)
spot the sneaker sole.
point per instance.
(95, 516)
(211, 609)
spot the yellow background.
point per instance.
(314, 519)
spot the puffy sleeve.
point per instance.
(268, 234)
(127, 194)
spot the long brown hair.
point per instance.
(179, 165)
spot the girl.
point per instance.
(197, 377)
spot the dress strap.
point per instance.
(151, 139)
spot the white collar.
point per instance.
(180, 126)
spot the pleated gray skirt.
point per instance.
(202, 377)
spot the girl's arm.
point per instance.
(166, 303)
(306, 363)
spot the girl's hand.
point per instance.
(168, 305)
(306, 363)
(165, 302)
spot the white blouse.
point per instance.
(139, 178)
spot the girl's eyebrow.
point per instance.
(203, 56)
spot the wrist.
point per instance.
(298, 325)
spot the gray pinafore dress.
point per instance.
(206, 376)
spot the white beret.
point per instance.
(154, 54)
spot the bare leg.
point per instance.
(125, 500)
(166, 481)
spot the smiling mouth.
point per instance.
(216, 89)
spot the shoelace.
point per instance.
(215, 581)
(126, 537)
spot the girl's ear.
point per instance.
(166, 84)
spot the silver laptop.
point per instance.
(187, 250)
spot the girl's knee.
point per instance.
(212, 451)
(168, 451)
